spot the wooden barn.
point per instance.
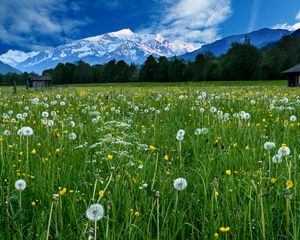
(35, 81)
(293, 76)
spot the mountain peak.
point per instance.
(122, 33)
(160, 38)
(13, 57)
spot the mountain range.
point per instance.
(122, 45)
(5, 68)
(259, 38)
(130, 47)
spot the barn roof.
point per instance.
(40, 78)
(295, 69)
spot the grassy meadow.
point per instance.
(130, 148)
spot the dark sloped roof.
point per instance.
(40, 78)
(295, 69)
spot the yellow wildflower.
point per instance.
(273, 180)
(101, 193)
(152, 148)
(216, 194)
(109, 157)
(33, 152)
(137, 214)
(228, 172)
(62, 192)
(224, 229)
(289, 184)
(166, 157)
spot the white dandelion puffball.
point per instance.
(72, 136)
(45, 114)
(269, 145)
(20, 132)
(284, 151)
(293, 118)
(276, 159)
(6, 133)
(213, 109)
(50, 123)
(20, 185)
(180, 184)
(27, 131)
(180, 135)
(95, 212)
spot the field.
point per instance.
(161, 161)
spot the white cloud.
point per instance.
(190, 20)
(286, 26)
(289, 27)
(28, 23)
(253, 17)
(298, 16)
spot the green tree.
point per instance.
(241, 62)
(148, 70)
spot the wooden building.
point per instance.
(35, 81)
(293, 76)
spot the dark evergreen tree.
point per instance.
(241, 62)
(148, 70)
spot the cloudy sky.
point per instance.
(39, 24)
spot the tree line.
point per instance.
(243, 61)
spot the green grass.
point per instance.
(281, 83)
(251, 201)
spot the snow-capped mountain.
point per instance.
(122, 45)
(5, 68)
(13, 57)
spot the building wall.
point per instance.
(38, 84)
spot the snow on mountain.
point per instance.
(121, 45)
(12, 58)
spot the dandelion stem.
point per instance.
(270, 165)
(27, 154)
(180, 155)
(95, 230)
(288, 201)
(262, 207)
(20, 200)
(94, 192)
(49, 221)
(149, 221)
(155, 171)
(176, 201)
(157, 218)
(2, 159)
(107, 227)
(110, 178)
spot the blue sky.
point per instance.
(39, 24)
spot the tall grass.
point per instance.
(126, 158)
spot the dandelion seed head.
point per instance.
(95, 212)
(269, 145)
(180, 184)
(20, 185)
